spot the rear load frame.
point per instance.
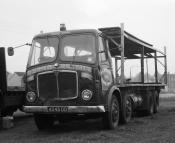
(124, 46)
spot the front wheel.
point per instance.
(43, 121)
(111, 117)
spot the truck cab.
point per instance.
(70, 73)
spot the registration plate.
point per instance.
(57, 109)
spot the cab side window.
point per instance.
(102, 50)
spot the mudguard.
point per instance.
(113, 89)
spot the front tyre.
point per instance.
(43, 121)
(111, 117)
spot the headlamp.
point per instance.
(31, 96)
(86, 94)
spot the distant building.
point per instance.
(171, 82)
(15, 79)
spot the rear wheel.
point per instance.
(111, 117)
(156, 102)
(150, 109)
(43, 121)
(127, 110)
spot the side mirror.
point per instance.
(10, 51)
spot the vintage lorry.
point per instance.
(70, 73)
(11, 98)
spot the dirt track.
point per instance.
(158, 129)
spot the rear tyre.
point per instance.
(156, 102)
(43, 121)
(0, 113)
(127, 110)
(150, 109)
(111, 117)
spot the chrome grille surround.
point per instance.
(56, 73)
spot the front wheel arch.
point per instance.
(114, 90)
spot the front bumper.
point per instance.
(63, 109)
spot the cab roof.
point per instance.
(57, 33)
(132, 45)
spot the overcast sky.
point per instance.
(150, 20)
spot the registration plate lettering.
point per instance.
(57, 109)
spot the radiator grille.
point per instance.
(61, 85)
(47, 85)
(67, 85)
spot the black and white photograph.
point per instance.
(87, 71)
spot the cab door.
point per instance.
(105, 65)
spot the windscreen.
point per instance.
(78, 48)
(43, 50)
